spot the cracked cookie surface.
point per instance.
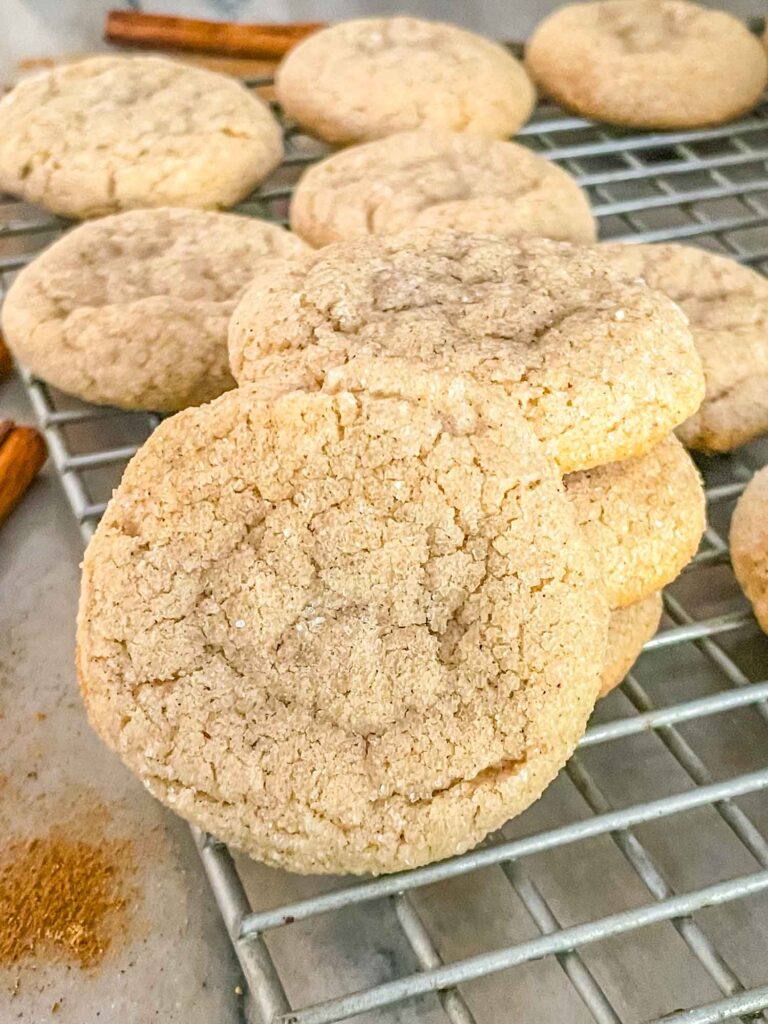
(629, 629)
(346, 632)
(117, 133)
(363, 79)
(749, 544)
(602, 368)
(643, 519)
(648, 63)
(727, 308)
(439, 179)
(132, 310)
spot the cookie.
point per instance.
(629, 629)
(749, 544)
(117, 133)
(439, 179)
(368, 78)
(132, 309)
(416, 545)
(727, 307)
(648, 63)
(602, 368)
(643, 519)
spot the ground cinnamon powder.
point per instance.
(61, 895)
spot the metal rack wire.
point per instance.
(695, 712)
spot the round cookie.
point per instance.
(727, 307)
(418, 546)
(629, 630)
(117, 133)
(132, 309)
(749, 544)
(643, 519)
(602, 368)
(368, 78)
(439, 179)
(648, 63)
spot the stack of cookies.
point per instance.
(348, 616)
(354, 613)
(602, 367)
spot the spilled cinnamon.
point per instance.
(62, 897)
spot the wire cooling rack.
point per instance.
(636, 889)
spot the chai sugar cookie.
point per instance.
(648, 63)
(643, 519)
(439, 179)
(602, 368)
(132, 310)
(749, 544)
(727, 307)
(418, 546)
(363, 79)
(629, 630)
(115, 133)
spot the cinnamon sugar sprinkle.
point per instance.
(62, 896)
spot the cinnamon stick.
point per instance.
(161, 31)
(22, 454)
(6, 362)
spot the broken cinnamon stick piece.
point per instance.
(23, 452)
(162, 31)
(6, 362)
(6, 426)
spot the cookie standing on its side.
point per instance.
(413, 539)
(648, 63)
(749, 544)
(119, 133)
(602, 368)
(439, 179)
(367, 78)
(629, 630)
(727, 307)
(132, 310)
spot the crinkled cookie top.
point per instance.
(601, 367)
(132, 310)
(116, 133)
(648, 63)
(349, 631)
(439, 179)
(727, 307)
(367, 78)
